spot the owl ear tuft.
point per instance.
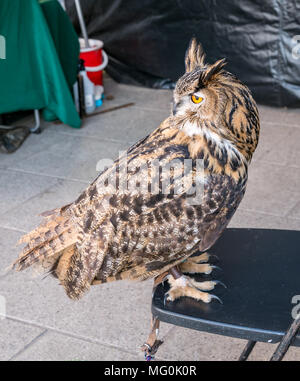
(194, 56)
(213, 70)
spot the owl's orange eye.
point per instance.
(196, 99)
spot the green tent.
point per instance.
(39, 52)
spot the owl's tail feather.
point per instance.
(53, 239)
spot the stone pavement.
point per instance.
(112, 321)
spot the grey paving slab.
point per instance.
(116, 314)
(272, 115)
(56, 347)
(32, 299)
(263, 352)
(244, 219)
(285, 151)
(34, 144)
(271, 189)
(73, 157)
(16, 187)
(8, 240)
(126, 125)
(294, 213)
(292, 117)
(26, 216)
(271, 139)
(15, 336)
(184, 344)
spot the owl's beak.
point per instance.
(174, 108)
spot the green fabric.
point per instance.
(41, 59)
(64, 37)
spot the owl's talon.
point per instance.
(166, 298)
(214, 267)
(218, 282)
(185, 286)
(212, 296)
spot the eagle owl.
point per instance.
(120, 227)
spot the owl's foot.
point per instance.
(194, 265)
(186, 286)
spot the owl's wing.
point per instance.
(153, 233)
(145, 230)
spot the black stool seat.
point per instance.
(261, 269)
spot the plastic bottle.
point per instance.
(89, 89)
(98, 95)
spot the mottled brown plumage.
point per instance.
(112, 233)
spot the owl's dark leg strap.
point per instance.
(175, 272)
(152, 344)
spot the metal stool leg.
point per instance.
(36, 129)
(247, 350)
(286, 341)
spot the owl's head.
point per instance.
(197, 91)
(207, 96)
